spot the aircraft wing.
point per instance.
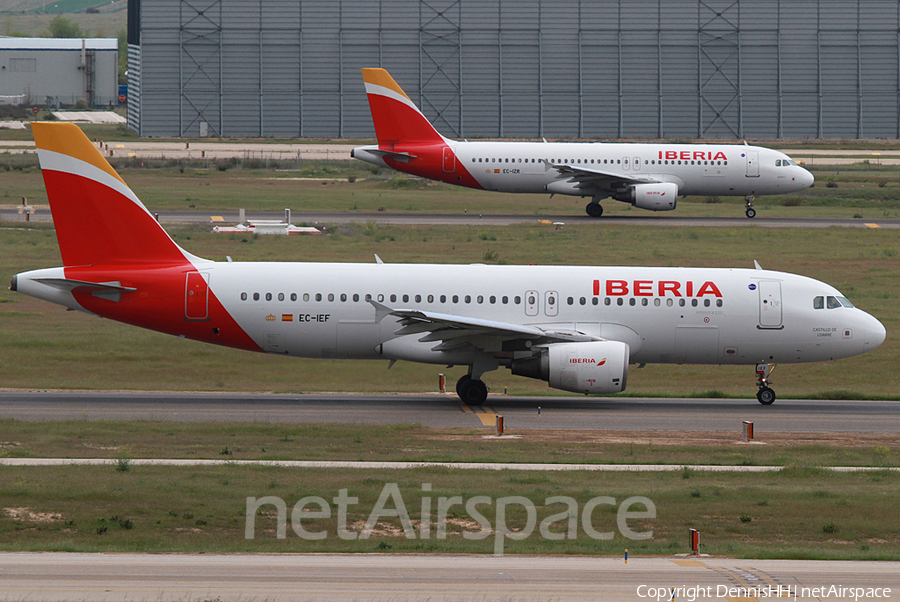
(453, 332)
(586, 176)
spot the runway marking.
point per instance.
(487, 415)
(690, 563)
(465, 408)
(873, 225)
(216, 218)
(544, 221)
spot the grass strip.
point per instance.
(795, 513)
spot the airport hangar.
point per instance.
(595, 69)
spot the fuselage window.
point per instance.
(431, 298)
(718, 303)
(406, 298)
(493, 299)
(256, 296)
(632, 302)
(455, 298)
(243, 296)
(644, 302)
(517, 300)
(468, 298)
(368, 296)
(393, 298)
(281, 296)
(268, 296)
(443, 298)
(380, 297)
(620, 301)
(418, 298)
(670, 302)
(693, 303)
(570, 300)
(479, 299)
(582, 301)
(330, 296)
(293, 296)
(531, 300)
(706, 303)
(344, 297)
(656, 302)
(681, 303)
(607, 301)
(356, 297)
(595, 301)
(306, 296)
(504, 299)
(318, 296)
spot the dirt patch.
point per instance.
(27, 515)
(697, 438)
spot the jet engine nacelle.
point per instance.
(655, 197)
(595, 367)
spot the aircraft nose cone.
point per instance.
(807, 179)
(875, 334)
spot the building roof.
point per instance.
(58, 43)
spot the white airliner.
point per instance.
(647, 176)
(577, 328)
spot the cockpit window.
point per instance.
(833, 303)
(819, 303)
(845, 302)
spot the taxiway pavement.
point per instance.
(49, 577)
(446, 411)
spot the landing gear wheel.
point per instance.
(751, 212)
(766, 396)
(594, 209)
(472, 392)
(459, 383)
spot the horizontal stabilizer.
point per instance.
(105, 290)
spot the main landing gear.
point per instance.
(594, 209)
(471, 391)
(765, 395)
(751, 213)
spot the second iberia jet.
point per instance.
(575, 327)
(647, 176)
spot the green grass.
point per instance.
(357, 442)
(795, 513)
(44, 346)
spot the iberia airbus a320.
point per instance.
(647, 176)
(578, 328)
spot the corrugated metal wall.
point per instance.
(524, 68)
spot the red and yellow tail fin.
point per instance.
(98, 219)
(397, 119)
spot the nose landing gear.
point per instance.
(750, 212)
(765, 395)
